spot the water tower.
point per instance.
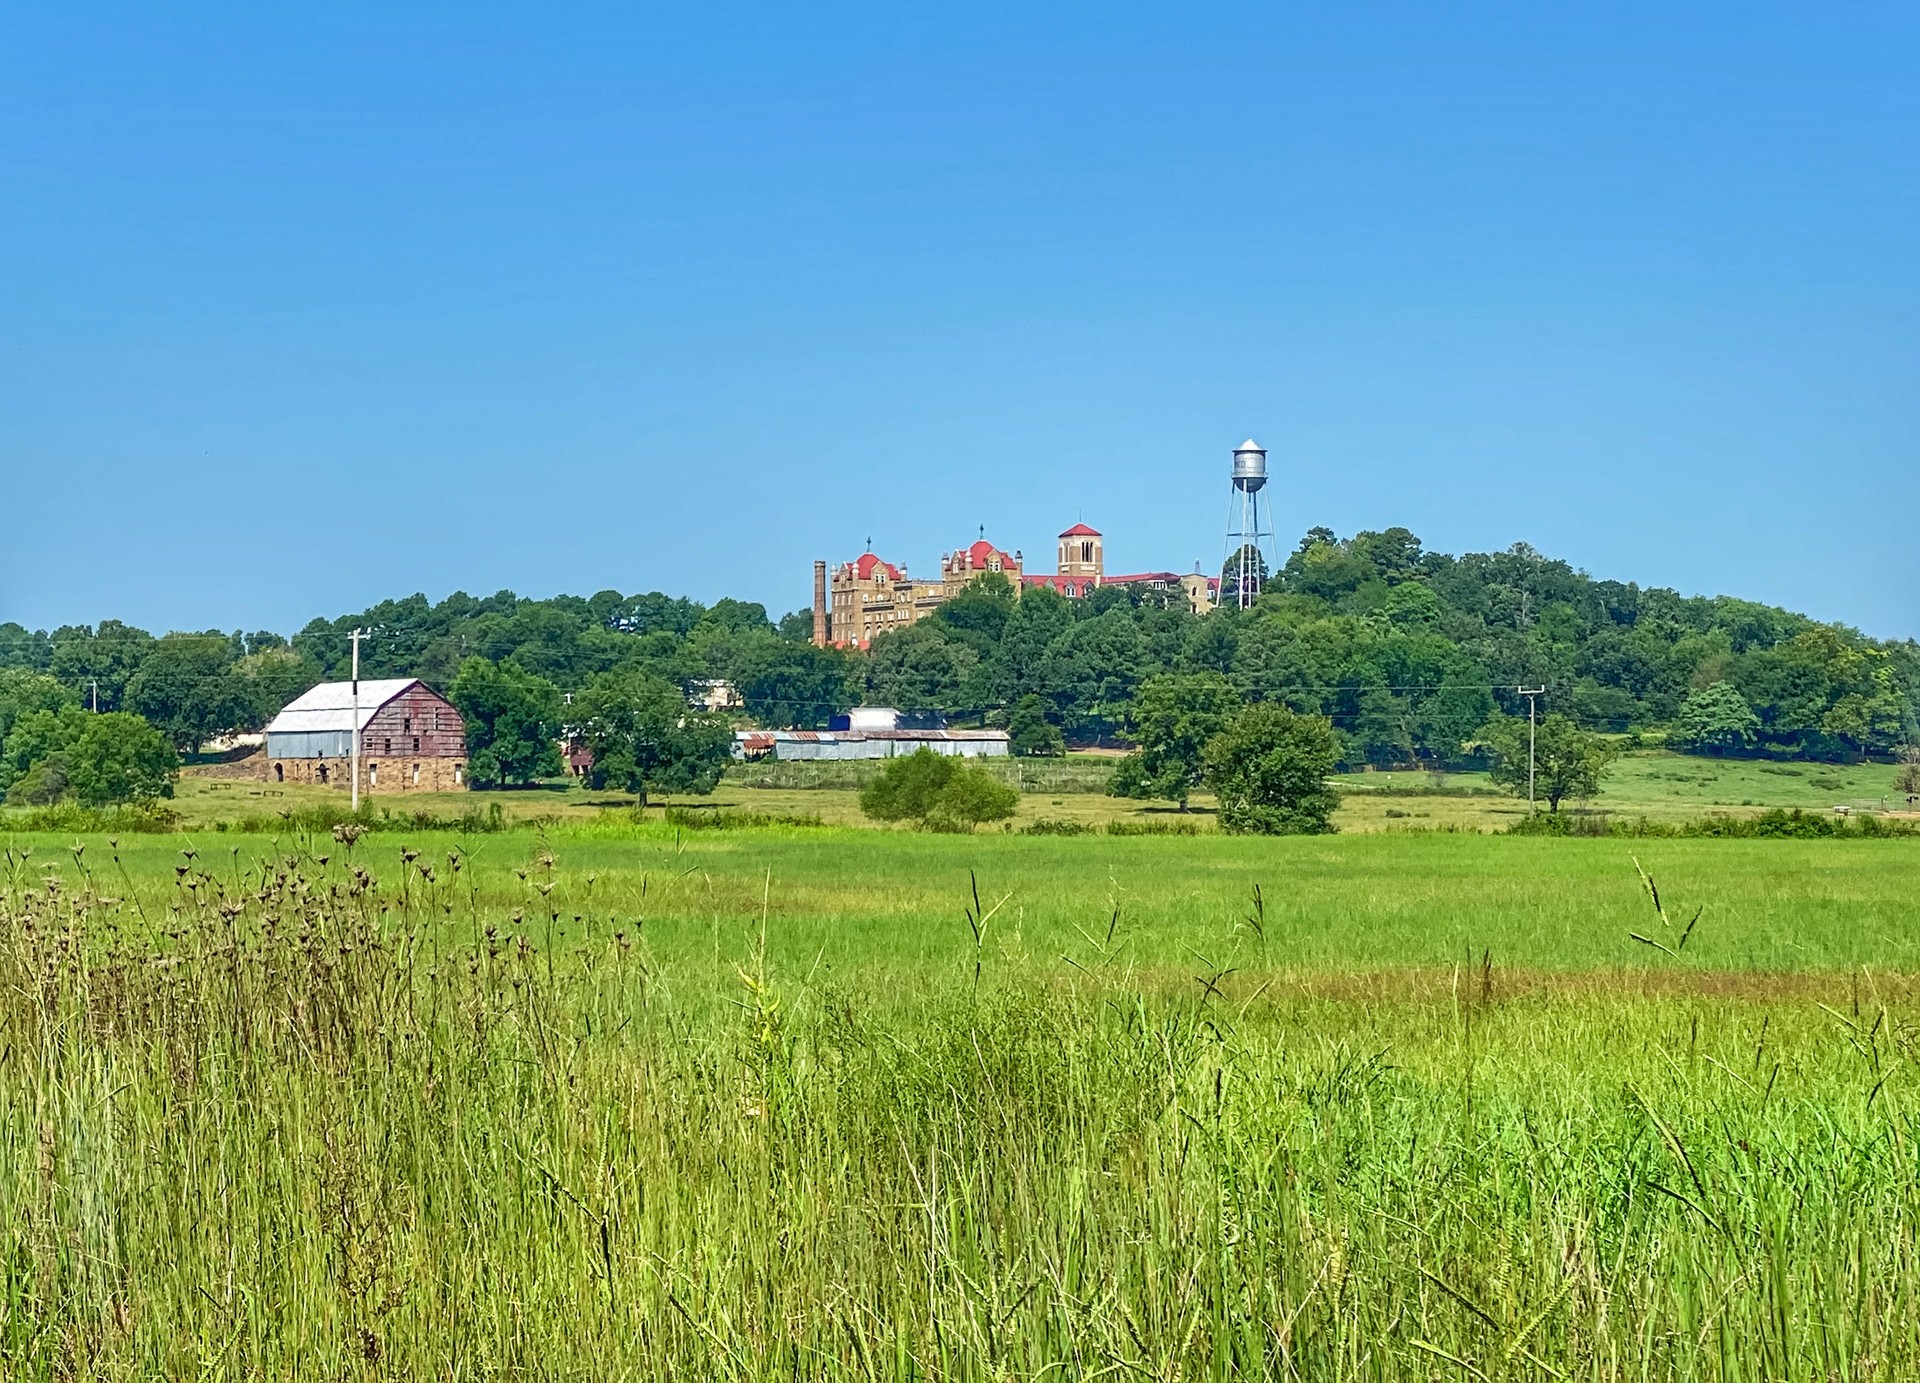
(1249, 525)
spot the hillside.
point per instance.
(1408, 651)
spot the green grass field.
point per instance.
(602, 1100)
(1654, 784)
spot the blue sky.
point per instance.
(302, 310)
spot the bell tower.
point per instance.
(1080, 553)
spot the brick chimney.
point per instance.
(819, 604)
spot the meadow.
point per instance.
(622, 1101)
(1652, 784)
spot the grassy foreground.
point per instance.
(621, 1104)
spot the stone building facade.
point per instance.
(870, 596)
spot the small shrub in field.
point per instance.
(1778, 824)
(1056, 826)
(135, 818)
(683, 818)
(1153, 828)
(941, 793)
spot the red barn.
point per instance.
(411, 738)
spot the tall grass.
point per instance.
(305, 1121)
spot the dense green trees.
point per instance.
(1714, 720)
(186, 687)
(513, 723)
(1029, 730)
(50, 755)
(1407, 652)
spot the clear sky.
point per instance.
(302, 307)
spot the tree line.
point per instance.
(1409, 654)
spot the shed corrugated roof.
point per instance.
(329, 706)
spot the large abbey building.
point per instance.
(857, 600)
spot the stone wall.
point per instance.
(379, 776)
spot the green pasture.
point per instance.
(613, 1100)
(1654, 784)
(896, 900)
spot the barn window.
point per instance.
(373, 775)
(386, 744)
(416, 744)
(456, 774)
(406, 724)
(416, 775)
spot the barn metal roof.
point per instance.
(765, 738)
(329, 706)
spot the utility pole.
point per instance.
(355, 761)
(1530, 693)
(93, 688)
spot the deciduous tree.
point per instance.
(1269, 770)
(645, 738)
(1906, 778)
(1567, 761)
(187, 690)
(1174, 718)
(512, 718)
(1031, 732)
(120, 758)
(1715, 719)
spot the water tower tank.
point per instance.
(1249, 465)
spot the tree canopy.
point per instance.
(1269, 770)
(1564, 760)
(645, 738)
(1174, 718)
(51, 755)
(939, 791)
(512, 718)
(1406, 652)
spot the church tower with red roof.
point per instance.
(1080, 553)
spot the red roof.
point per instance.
(1080, 530)
(1075, 586)
(868, 561)
(982, 553)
